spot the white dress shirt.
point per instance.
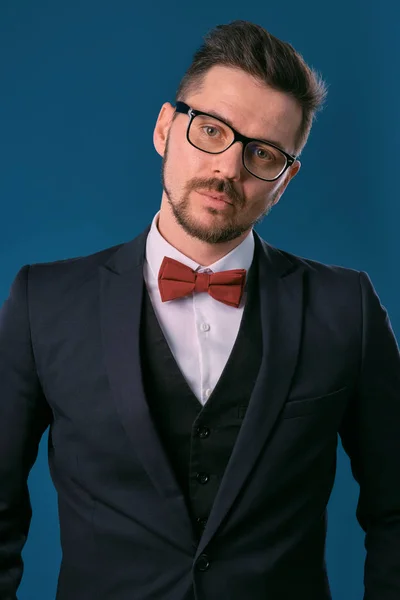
(199, 330)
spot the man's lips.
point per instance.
(215, 195)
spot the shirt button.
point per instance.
(204, 327)
(202, 478)
(203, 562)
(208, 392)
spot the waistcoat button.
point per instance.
(203, 432)
(203, 562)
(202, 522)
(202, 477)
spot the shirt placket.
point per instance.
(204, 337)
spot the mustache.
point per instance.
(220, 186)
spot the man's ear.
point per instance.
(290, 173)
(162, 127)
(293, 170)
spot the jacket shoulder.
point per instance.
(314, 268)
(76, 263)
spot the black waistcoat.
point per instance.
(199, 439)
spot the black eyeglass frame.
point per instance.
(182, 107)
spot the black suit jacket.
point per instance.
(69, 358)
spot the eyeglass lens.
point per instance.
(211, 135)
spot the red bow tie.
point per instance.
(176, 280)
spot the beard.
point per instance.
(219, 232)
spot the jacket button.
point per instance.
(203, 562)
(202, 477)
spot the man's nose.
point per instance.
(230, 162)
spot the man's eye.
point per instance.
(210, 131)
(262, 153)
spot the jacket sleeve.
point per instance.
(370, 435)
(24, 415)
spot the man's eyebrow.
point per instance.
(215, 114)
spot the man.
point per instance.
(195, 379)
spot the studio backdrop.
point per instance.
(81, 85)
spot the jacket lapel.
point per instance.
(121, 291)
(281, 302)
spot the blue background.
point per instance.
(81, 84)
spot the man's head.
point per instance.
(260, 86)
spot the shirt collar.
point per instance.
(157, 247)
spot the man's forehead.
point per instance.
(252, 107)
(275, 126)
(262, 129)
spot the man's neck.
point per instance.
(197, 250)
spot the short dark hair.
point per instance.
(251, 48)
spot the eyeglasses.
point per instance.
(212, 135)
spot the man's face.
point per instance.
(256, 111)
